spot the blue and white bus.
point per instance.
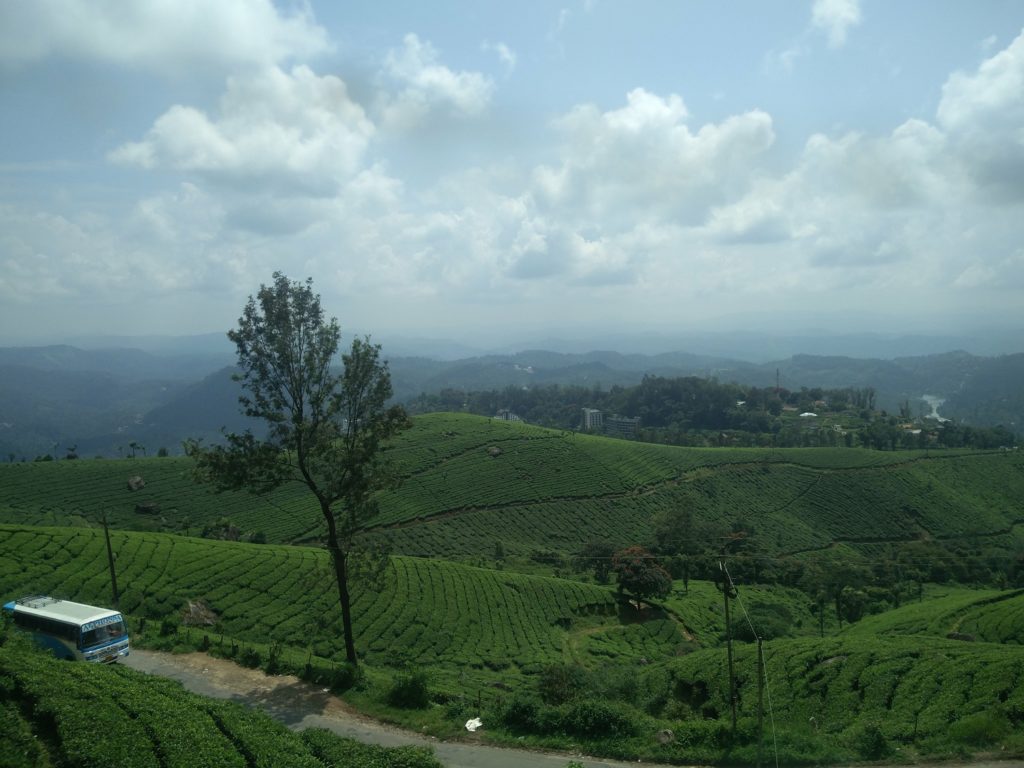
(71, 630)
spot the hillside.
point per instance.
(471, 482)
(55, 713)
(479, 598)
(99, 399)
(491, 641)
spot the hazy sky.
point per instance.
(467, 169)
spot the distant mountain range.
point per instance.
(98, 401)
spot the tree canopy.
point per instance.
(325, 430)
(640, 575)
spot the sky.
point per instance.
(477, 170)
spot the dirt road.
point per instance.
(300, 705)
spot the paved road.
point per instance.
(300, 705)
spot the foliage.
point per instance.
(639, 574)
(342, 753)
(268, 593)
(556, 491)
(876, 691)
(596, 555)
(409, 691)
(325, 431)
(582, 717)
(559, 683)
(93, 715)
(869, 741)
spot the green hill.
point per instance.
(863, 696)
(469, 482)
(427, 612)
(990, 616)
(470, 627)
(54, 713)
(512, 496)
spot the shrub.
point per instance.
(249, 657)
(344, 677)
(869, 742)
(274, 665)
(168, 626)
(559, 683)
(521, 714)
(598, 719)
(409, 691)
(980, 729)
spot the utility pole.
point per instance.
(729, 592)
(110, 562)
(760, 700)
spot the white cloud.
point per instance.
(505, 54)
(785, 60)
(643, 160)
(835, 18)
(644, 210)
(983, 114)
(297, 132)
(426, 84)
(163, 35)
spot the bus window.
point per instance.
(102, 634)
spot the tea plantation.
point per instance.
(470, 482)
(55, 713)
(477, 609)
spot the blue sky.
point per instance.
(499, 170)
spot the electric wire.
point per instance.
(764, 666)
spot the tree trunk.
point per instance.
(341, 573)
(338, 557)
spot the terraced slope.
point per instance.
(470, 482)
(55, 713)
(78, 493)
(890, 692)
(426, 612)
(986, 615)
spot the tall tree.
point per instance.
(640, 575)
(325, 431)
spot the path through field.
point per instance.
(300, 705)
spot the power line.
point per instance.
(763, 666)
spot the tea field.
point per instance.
(424, 612)
(483, 510)
(55, 713)
(470, 482)
(873, 697)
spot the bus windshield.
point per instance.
(102, 634)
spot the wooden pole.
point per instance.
(760, 700)
(110, 562)
(726, 589)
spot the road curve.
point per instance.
(301, 705)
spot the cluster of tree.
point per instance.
(225, 530)
(705, 412)
(684, 548)
(686, 402)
